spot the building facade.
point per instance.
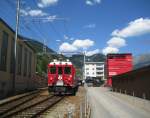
(25, 62)
(117, 64)
(94, 70)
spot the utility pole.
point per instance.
(84, 53)
(15, 42)
(44, 46)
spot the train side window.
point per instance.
(67, 70)
(60, 70)
(53, 70)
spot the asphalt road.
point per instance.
(105, 105)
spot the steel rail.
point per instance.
(45, 103)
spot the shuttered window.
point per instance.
(12, 56)
(30, 64)
(3, 59)
(19, 59)
(25, 62)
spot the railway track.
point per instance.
(29, 106)
(8, 106)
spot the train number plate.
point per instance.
(60, 83)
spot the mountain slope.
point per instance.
(38, 46)
(142, 60)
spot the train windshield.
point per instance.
(59, 70)
(67, 70)
(53, 70)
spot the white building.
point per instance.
(94, 70)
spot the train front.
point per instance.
(61, 77)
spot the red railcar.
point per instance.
(61, 77)
(117, 64)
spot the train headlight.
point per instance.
(69, 78)
(51, 78)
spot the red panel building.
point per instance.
(117, 64)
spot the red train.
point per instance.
(61, 77)
(117, 64)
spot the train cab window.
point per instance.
(67, 70)
(60, 70)
(53, 70)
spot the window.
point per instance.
(12, 56)
(99, 68)
(25, 62)
(3, 60)
(53, 70)
(99, 64)
(87, 73)
(59, 70)
(99, 73)
(67, 70)
(87, 68)
(19, 59)
(30, 64)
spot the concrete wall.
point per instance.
(136, 83)
(22, 82)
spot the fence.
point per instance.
(135, 83)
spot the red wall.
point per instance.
(118, 64)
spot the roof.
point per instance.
(133, 72)
(6, 25)
(60, 63)
(119, 54)
(20, 37)
(94, 62)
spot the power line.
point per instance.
(11, 4)
(54, 29)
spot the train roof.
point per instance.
(57, 62)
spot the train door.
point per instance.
(60, 76)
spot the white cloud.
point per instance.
(108, 49)
(137, 27)
(32, 13)
(66, 37)
(113, 45)
(36, 12)
(90, 26)
(50, 18)
(58, 40)
(90, 53)
(83, 43)
(71, 39)
(76, 45)
(88, 2)
(23, 12)
(92, 2)
(46, 3)
(116, 42)
(66, 47)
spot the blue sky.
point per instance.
(93, 25)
